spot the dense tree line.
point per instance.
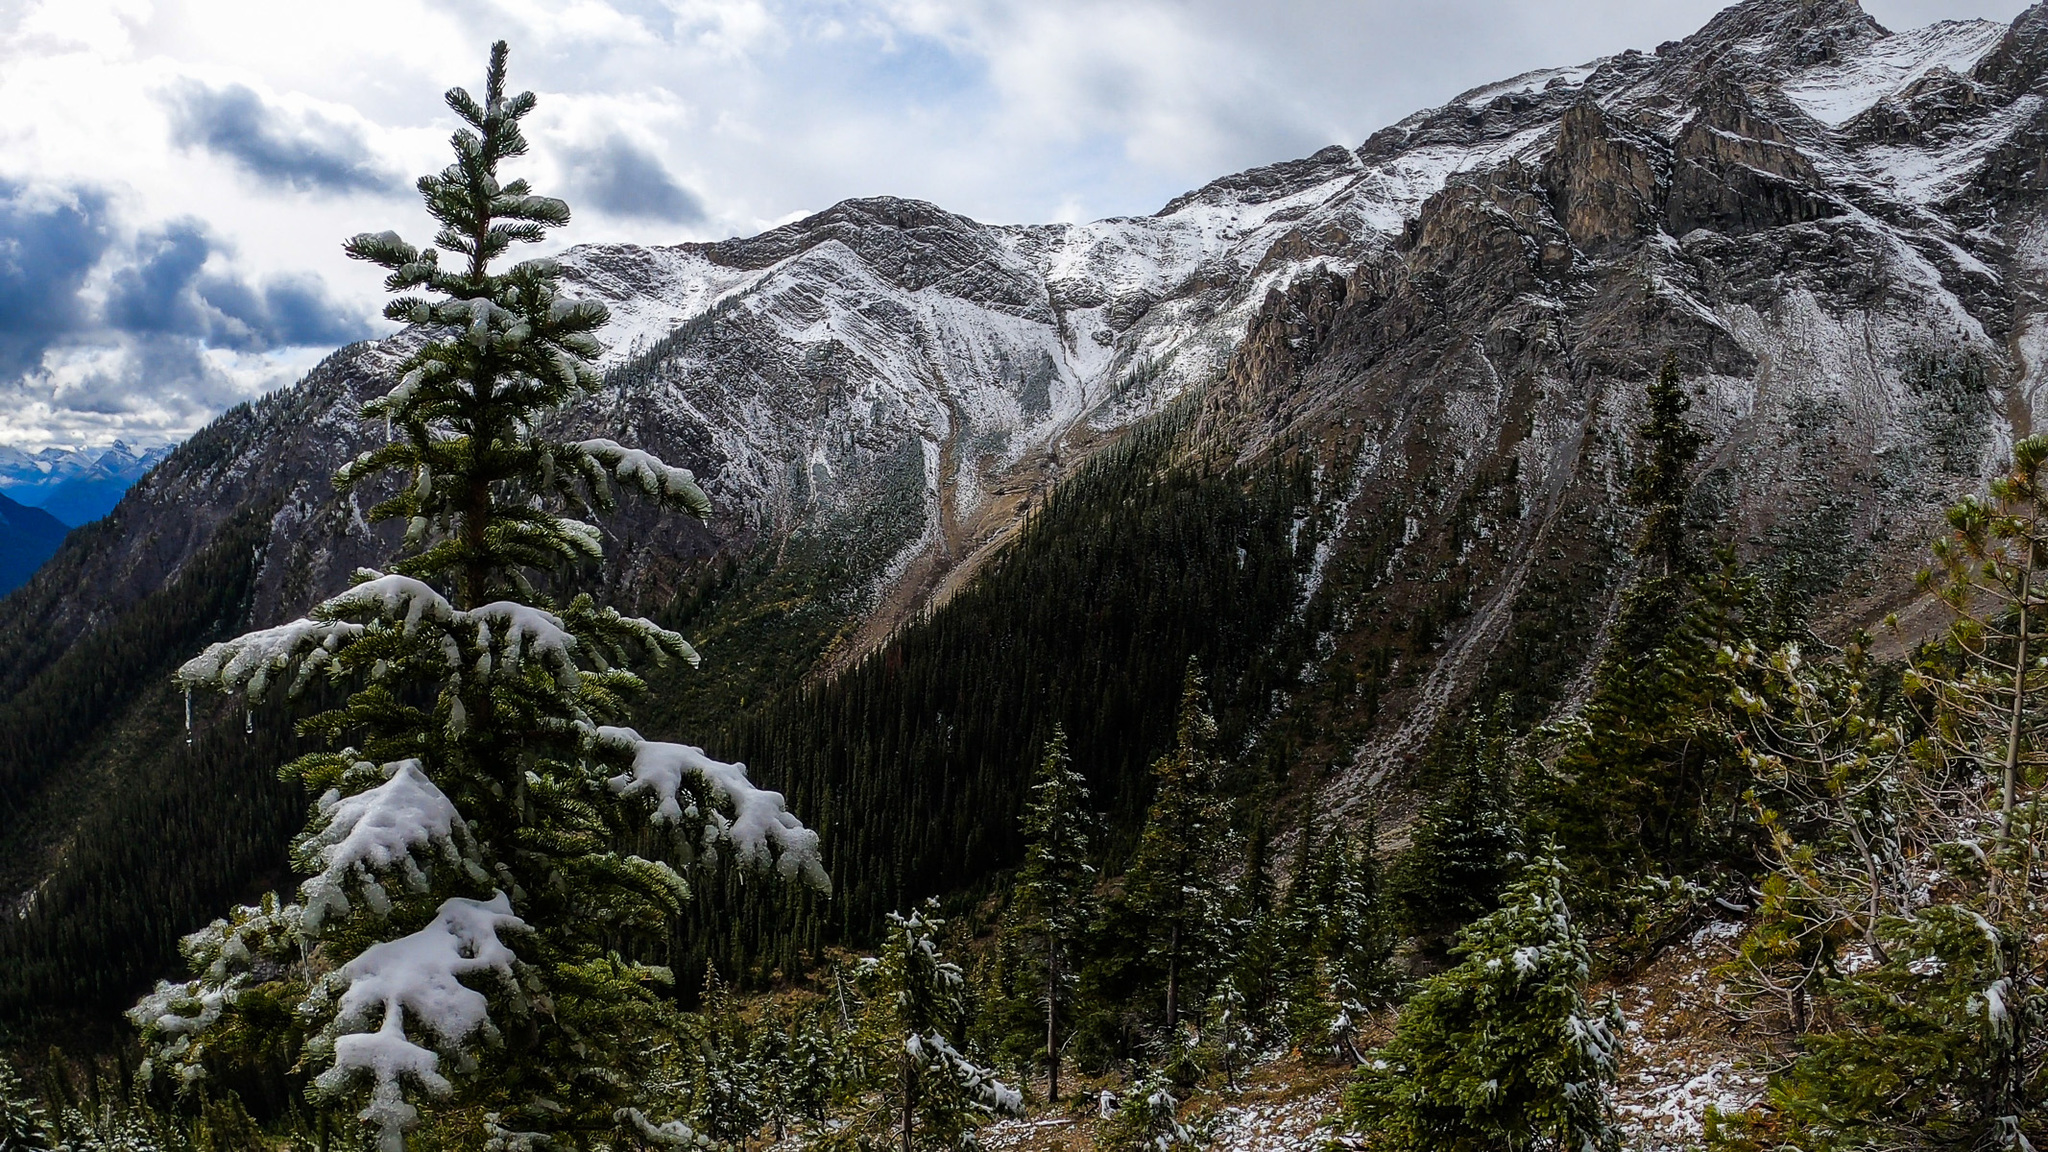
(915, 763)
(150, 852)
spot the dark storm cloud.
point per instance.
(307, 152)
(135, 358)
(49, 244)
(166, 292)
(621, 180)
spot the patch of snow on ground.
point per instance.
(1930, 175)
(1536, 81)
(1834, 93)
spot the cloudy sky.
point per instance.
(176, 176)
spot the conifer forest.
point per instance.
(1463, 715)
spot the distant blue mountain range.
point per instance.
(76, 485)
(28, 536)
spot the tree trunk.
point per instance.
(1173, 978)
(2019, 699)
(909, 1095)
(1052, 1014)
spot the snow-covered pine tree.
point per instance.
(815, 1068)
(1342, 932)
(1148, 1120)
(1055, 892)
(465, 930)
(1502, 1051)
(933, 1095)
(729, 1100)
(793, 1061)
(1178, 883)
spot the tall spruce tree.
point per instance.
(1660, 482)
(490, 842)
(1178, 882)
(1341, 931)
(1056, 889)
(1469, 840)
(1502, 1051)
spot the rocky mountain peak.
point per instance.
(1767, 36)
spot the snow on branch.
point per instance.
(417, 978)
(633, 467)
(503, 634)
(375, 831)
(251, 661)
(252, 944)
(688, 785)
(986, 1093)
(515, 631)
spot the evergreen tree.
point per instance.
(477, 884)
(1343, 941)
(1939, 1039)
(1502, 1051)
(1660, 484)
(1469, 839)
(1148, 1120)
(1056, 889)
(1649, 778)
(1844, 809)
(931, 1093)
(1177, 883)
(731, 1099)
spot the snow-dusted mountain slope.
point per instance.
(1836, 228)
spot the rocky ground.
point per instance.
(1688, 1051)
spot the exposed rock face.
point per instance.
(1735, 172)
(1838, 230)
(1607, 184)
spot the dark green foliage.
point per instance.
(481, 781)
(1468, 841)
(1660, 483)
(1177, 895)
(1337, 928)
(1054, 895)
(1940, 1046)
(1148, 1119)
(96, 736)
(924, 1087)
(1502, 1051)
(914, 763)
(1649, 780)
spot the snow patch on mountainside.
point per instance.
(1835, 93)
